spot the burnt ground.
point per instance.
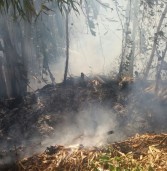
(25, 123)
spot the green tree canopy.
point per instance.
(26, 8)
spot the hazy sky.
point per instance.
(98, 53)
(93, 54)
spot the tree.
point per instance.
(14, 74)
(130, 32)
(20, 50)
(155, 42)
(142, 36)
(25, 8)
(67, 45)
(32, 44)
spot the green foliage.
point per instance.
(116, 163)
(26, 8)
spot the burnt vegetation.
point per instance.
(51, 117)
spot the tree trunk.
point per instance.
(134, 33)
(13, 75)
(67, 46)
(154, 44)
(125, 40)
(159, 68)
(3, 83)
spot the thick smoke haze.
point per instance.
(92, 55)
(88, 53)
(88, 127)
(96, 54)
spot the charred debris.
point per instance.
(26, 122)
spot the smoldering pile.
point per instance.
(142, 152)
(40, 111)
(83, 108)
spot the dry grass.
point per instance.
(140, 153)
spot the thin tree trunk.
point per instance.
(159, 68)
(134, 33)
(124, 37)
(154, 44)
(67, 47)
(3, 84)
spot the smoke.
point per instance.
(142, 113)
(94, 54)
(88, 127)
(88, 53)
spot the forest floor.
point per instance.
(86, 125)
